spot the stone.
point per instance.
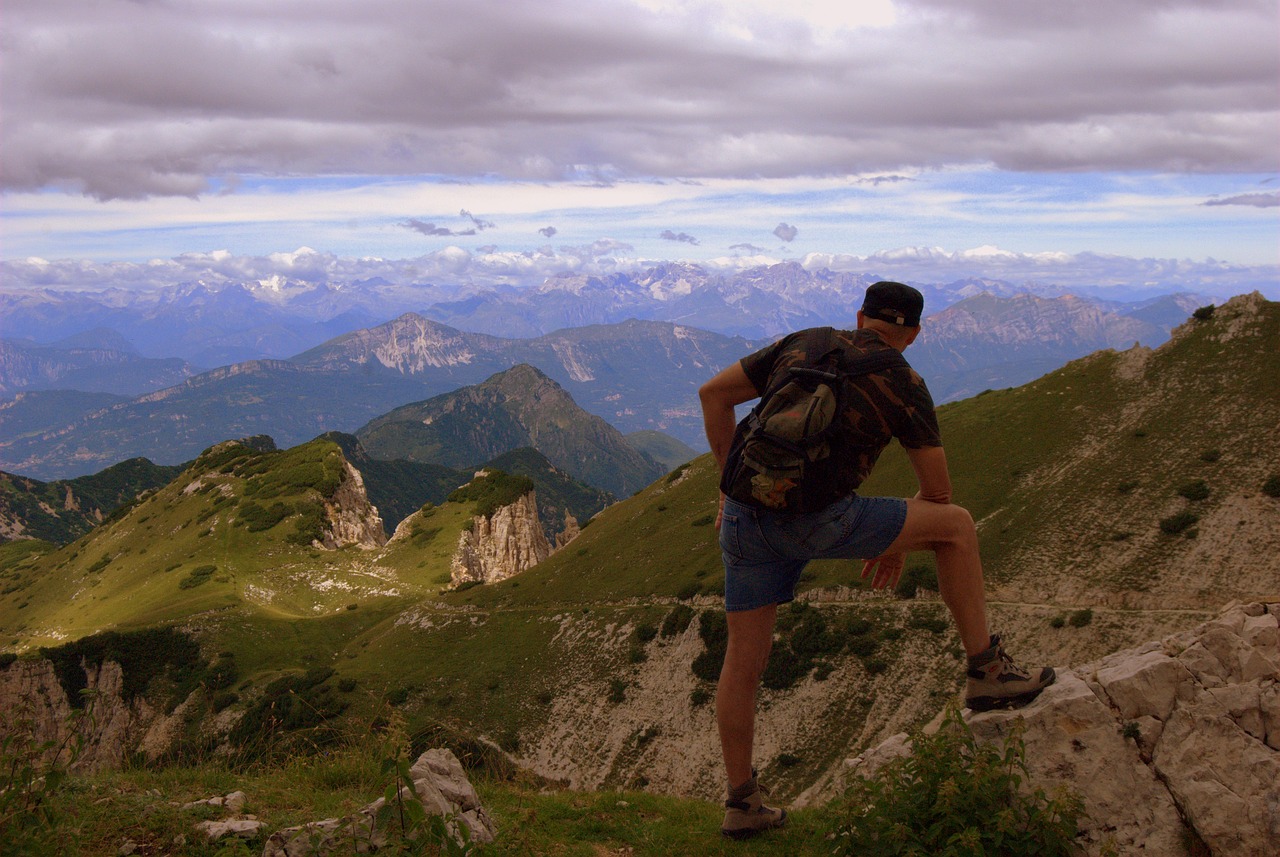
(1145, 685)
(439, 783)
(241, 827)
(234, 802)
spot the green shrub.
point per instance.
(302, 706)
(689, 590)
(1211, 455)
(676, 621)
(916, 577)
(142, 655)
(492, 491)
(617, 691)
(1272, 486)
(1080, 618)
(1204, 313)
(699, 696)
(714, 631)
(1196, 489)
(1058, 621)
(198, 575)
(1175, 524)
(257, 518)
(955, 796)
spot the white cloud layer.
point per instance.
(122, 99)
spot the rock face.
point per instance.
(1175, 734)
(496, 547)
(33, 701)
(352, 519)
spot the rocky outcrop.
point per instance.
(439, 783)
(503, 544)
(351, 518)
(33, 701)
(1167, 743)
(569, 533)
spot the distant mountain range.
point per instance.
(214, 325)
(637, 375)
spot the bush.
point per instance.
(1272, 486)
(492, 491)
(714, 631)
(916, 577)
(197, 576)
(1080, 618)
(1211, 455)
(1196, 489)
(1058, 621)
(676, 621)
(1175, 524)
(955, 796)
(1204, 313)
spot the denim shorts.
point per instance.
(764, 552)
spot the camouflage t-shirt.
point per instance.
(881, 406)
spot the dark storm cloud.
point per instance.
(120, 99)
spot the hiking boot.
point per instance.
(746, 815)
(995, 681)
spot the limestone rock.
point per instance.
(570, 532)
(241, 827)
(1204, 708)
(438, 782)
(504, 544)
(351, 518)
(30, 692)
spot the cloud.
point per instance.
(747, 248)
(547, 231)
(684, 237)
(480, 225)
(124, 100)
(430, 228)
(1257, 200)
(785, 232)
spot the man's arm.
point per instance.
(930, 465)
(727, 389)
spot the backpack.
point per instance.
(780, 455)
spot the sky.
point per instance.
(147, 140)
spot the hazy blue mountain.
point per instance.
(88, 367)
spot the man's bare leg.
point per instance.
(948, 531)
(750, 638)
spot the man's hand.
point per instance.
(720, 512)
(884, 570)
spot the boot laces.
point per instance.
(1008, 666)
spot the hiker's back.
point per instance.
(831, 401)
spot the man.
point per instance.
(765, 549)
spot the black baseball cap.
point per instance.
(895, 303)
